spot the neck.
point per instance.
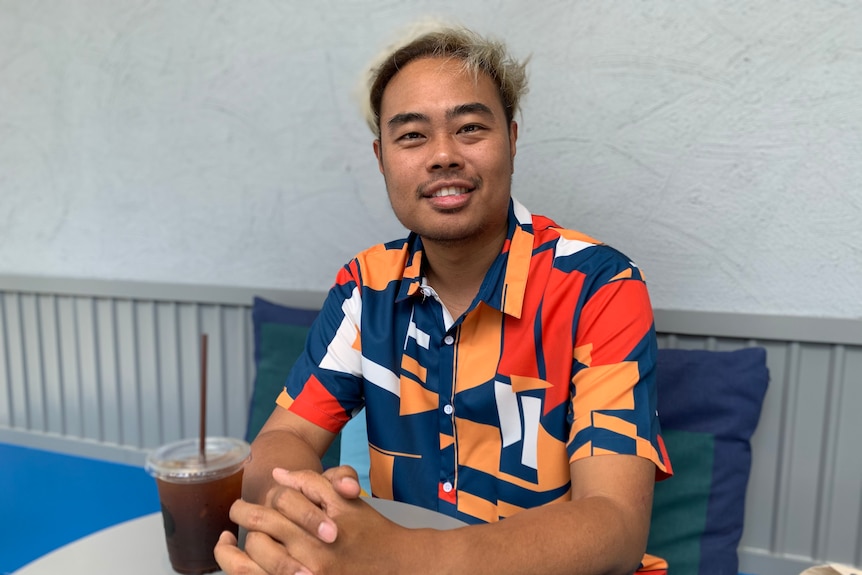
(456, 270)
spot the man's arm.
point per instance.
(602, 530)
(288, 441)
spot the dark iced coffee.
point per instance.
(196, 495)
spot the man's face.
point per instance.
(446, 152)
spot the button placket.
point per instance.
(449, 462)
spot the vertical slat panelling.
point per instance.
(827, 456)
(805, 438)
(167, 345)
(689, 342)
(760, 501)
(249, 357)
(233, 350)
(5, 380)
(788, 409)
(73, 419)
(51, 373)
(148, 372)
(129, 380)
(108, 369)
(247, 374)
(726, 343)
(30, 334)
(844, 542)
(91, 396)
(189, 368)
(211, 324)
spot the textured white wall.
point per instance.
(716, 142)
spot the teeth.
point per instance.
(449, 192)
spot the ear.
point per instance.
(378, 153)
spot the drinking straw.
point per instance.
(203, 406)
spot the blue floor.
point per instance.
(49, 499)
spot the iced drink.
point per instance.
(196, 495)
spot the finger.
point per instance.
(233, 560)
(310, 511)
(287, 512)
(269, 536)
(341, 471)
(344, 480)
(272, 556)
(317, 488)
(263, 519)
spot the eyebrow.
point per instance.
(459, 110)
(406, 118)
(465, 109)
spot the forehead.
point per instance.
(428, 83)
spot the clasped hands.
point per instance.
(309, 524)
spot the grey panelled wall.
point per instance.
(110, 369)
(121, 371)
(804, 501)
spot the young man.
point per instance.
(506, 365)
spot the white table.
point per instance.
(137, 547)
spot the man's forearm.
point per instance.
(271, 449)
(588, 537)
(602, 530)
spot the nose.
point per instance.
(444, 155)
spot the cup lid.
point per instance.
(181, 461)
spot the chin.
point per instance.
(450, 234)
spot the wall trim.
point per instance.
(158, 291)
(760, 326)
(74, 446)
(685, 322)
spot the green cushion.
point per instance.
(277, 349)
(680, 506)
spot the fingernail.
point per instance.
(327, 532)
(350, 480)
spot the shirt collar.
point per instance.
(506, 281)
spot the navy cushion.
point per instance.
(709, 404)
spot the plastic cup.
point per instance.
(196, 495)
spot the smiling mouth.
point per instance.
(444, 192)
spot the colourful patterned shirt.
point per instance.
(480, 416)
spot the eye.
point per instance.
(470, 129)
(410, 136)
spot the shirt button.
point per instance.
(448, 340)
(448, 409)
(447, 487)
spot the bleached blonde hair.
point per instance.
(436, 39)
